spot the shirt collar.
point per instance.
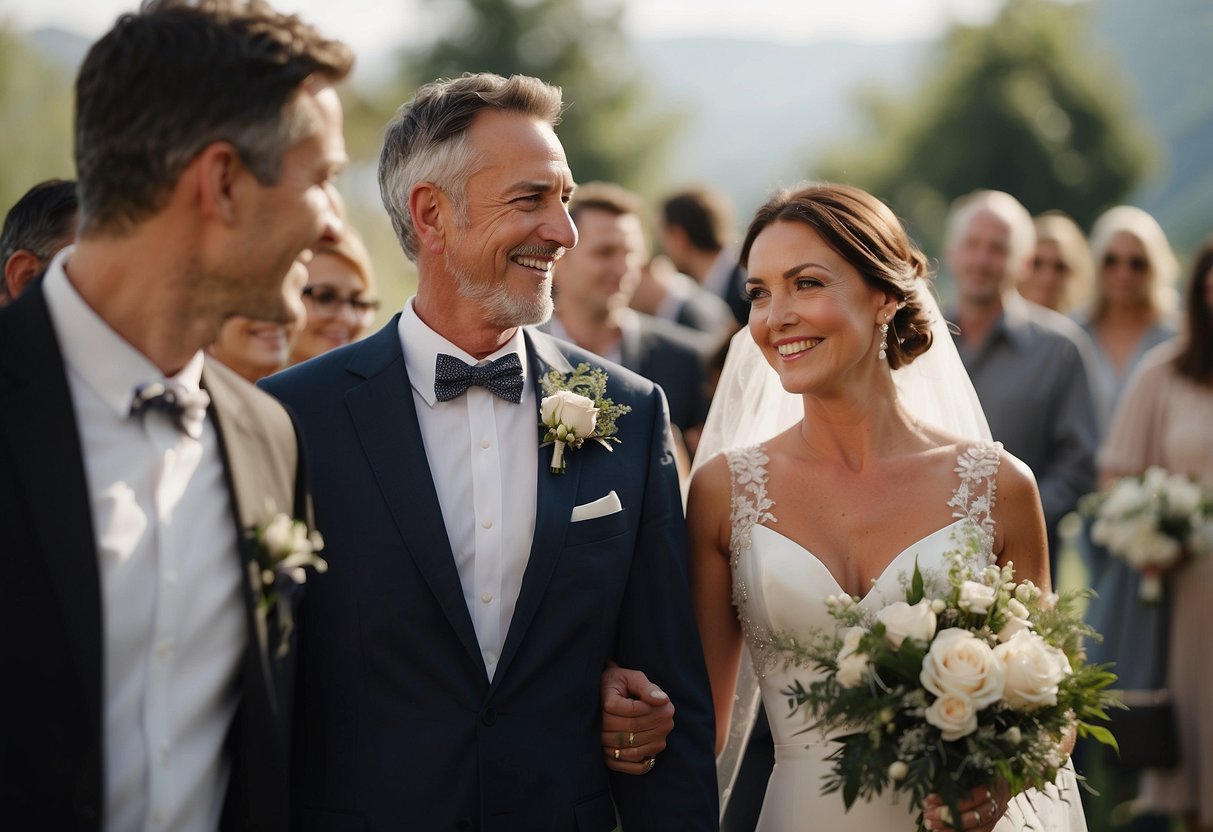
(100, 356)
(421, 346)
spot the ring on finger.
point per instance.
(976, 818)
(993, 807)
(616, 751)
(649, 762)
(631, 738)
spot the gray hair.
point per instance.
(1008, 209)
(428, 140)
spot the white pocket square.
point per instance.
(599, 508)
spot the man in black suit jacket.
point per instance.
(592, 285)
(451, 658)
(147, 652)
(695, 231)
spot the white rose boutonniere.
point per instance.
(283, 549)
(575, 408)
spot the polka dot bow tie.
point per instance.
(502, 378)
(187, 408)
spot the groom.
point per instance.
(451, 662)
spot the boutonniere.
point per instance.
(284, 548)
(575, 408)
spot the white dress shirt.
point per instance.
(473, 444)
(172, 606)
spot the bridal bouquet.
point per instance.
(1152, 522)
(972, 678)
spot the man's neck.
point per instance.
(596, 331)
(976, 320)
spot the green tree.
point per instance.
(1027, 105)
(606, 130)
(36, 111)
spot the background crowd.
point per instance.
(1090, 345)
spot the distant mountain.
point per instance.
(60, 48)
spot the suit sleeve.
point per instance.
(657, 634)
(1075, 437)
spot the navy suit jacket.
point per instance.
(397, 723)
(51, 614)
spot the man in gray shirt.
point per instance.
(1030, 365)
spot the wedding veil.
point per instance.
(750, 405)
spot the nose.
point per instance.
(560, 228)
(780, 313)
(332, 223)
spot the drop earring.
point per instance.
(884, 341)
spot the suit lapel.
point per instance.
(555, 496)
(36, 413)
(385, 417)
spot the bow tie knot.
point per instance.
(502, 377)
(187, 408)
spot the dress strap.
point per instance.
(750, 504)
(976, 494)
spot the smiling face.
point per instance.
(254, 349)
(1124, 271)
(813, 316)
(500, 250)
(602, 271)
(338, 307)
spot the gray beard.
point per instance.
(502, 308)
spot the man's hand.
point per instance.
(637, 716)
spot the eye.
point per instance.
(808, 282)
(753, 292)
(532, 199)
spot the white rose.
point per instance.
(1183, 496)
(901, 621)
(282, 536)
(852, 665)
(577, 413)
(1013, 627)
(954, 716)
(976, 598)
(1033, 669)
(1126, 496)
(958, 663)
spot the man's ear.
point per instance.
(21, 267)
(219, 177)
(429, 208)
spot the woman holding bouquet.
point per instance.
(871, 458)
(1163, 420)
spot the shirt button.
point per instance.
(487, 598)
(484, 443)
(486, 523)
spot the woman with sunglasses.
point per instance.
(339, 296)
(1062, 276)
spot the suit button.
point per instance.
(488, 716)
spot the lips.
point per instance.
(541, 260)
(788, 349)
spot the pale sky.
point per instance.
(375, 26)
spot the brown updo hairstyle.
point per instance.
(868, 235)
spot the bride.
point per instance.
(854, 480)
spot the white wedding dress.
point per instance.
(780, 588)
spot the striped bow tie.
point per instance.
(502, 378)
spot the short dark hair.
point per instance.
(38, 222)
(1195, 360)
(703, 214)
(604, 196)
(868, 235)
(427, 141)
(175, 77)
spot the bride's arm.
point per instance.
(708, 524)
(1019, 524)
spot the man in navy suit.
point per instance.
(147, 679)
(451, 657)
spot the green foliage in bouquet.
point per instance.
(972, 678)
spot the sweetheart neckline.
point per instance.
(875, 581)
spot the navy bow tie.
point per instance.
(187, 408)
(502, 378)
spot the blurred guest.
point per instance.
(1163, 419)
(39, 224)
(1061, 276)
(1134, 297)
(1030, 365)
(592, 284)
(339, 297)
(695, 229)
(253, 348)
(664, 292)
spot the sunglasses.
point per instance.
(328, 301)
(1136, 263)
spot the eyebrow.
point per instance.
(795, 270)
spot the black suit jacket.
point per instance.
(398, 724)
(734, 295)
(675, 358)
(51, 616)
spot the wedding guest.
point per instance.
(1061, 277)
(474, 597)
(664, 292)
(696, 225)
(1030, 365)
(253, 349)
(150, 683)
(1163, 419)
(340, 296)
(38, 225)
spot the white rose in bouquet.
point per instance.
(1183, 496)
(976, 597)
(1033, 670)
(902, 621)
(1126, 497)
(575, 412)
(958, 663)
(954, 716)
(852, 665)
